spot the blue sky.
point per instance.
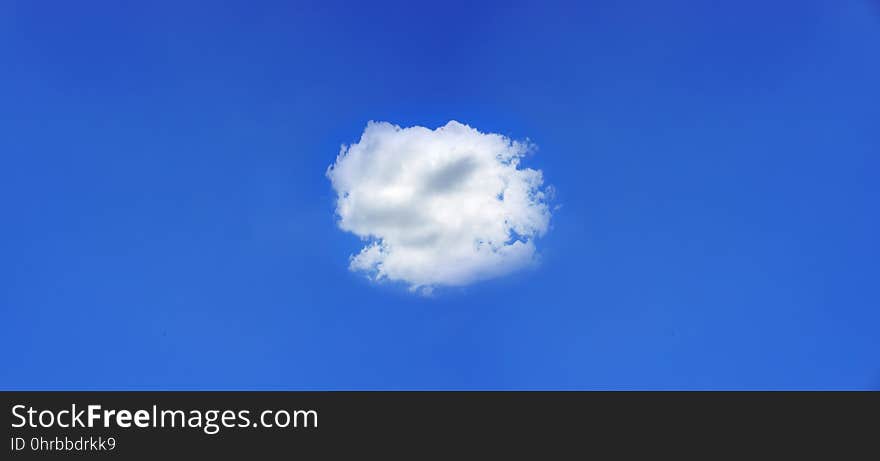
(167, 223)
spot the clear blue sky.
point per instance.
(167, 223)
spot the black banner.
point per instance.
(413, 425)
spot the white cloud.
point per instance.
(440, 207)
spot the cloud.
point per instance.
(444, 207)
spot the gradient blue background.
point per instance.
(166, 222)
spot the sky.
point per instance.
(168, 220)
